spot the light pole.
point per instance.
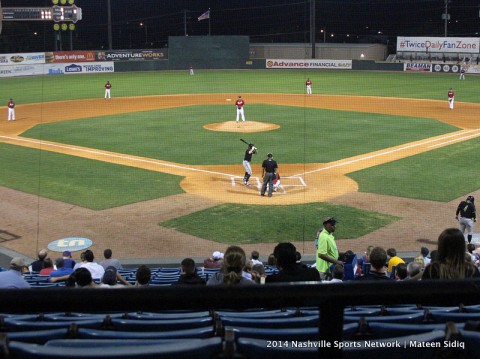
(109, 24)
(324, 32)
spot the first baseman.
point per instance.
(466, 210)
(11, 110)
(308, 84)
(246, 162)
(108, 86)
(239, 105)
(451, 98)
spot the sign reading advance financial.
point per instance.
(312, 64)
(469, 45)
(94, 67)
(133, 55)
(22, 58)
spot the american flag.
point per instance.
(204, 16)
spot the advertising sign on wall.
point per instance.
(22, 58)
(457, 45)
(417, 67)
(312, 64)
(78, 68)
(131, 55)
(70, 56)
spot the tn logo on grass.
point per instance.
(71, 244)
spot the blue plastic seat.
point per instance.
(37, 336)
(86, 343)
(261, 313)
(311, 333)
(160, 324)
(167, 315)
(87, 333)
(206, 348)
(19, 325)
(390, 330)
(405, 318)
(295, 322)
(443, 317)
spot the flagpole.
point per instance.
(209, 24)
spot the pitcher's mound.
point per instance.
(248, 126)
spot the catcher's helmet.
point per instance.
(471, 199)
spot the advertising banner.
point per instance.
(21, 70)
(76, 68)
(311, 64)
(131, 55)
(457, 45)
(70, 56)
(417, 67)
(22, 58)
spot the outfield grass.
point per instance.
(242, 224)
(441, 175)
(364, 83)
(82, 182)
(306, 135)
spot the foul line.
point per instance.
(389, 152)
(124, 157)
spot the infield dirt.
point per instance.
(132, 231)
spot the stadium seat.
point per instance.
(206, 348)
(166, 315)
(20, 325)
(443, 317)
(295, 322)
(160, 324)
(87, 333)
(405, 318)
(37, 336)
(275, 333)
(261, 313)
(86, 343)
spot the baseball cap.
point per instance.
(424, 251)
(67, 253)
(330, 220)
(217, 255)
(17, 262)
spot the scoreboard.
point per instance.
(55, 13)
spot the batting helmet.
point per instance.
(471, 199)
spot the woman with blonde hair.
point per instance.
(234, 261)
(450, 261)
(421, 262)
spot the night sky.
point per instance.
(264, 21)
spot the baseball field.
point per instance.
(156, 171)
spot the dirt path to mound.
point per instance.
(32, 222)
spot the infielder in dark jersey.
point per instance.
(466, 210)
(246, 162)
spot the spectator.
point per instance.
(363, 260)
(414, 271)
(232, 269)
(67, 259)
(254, 258)
(424, 251)
(298, 260)
(47, 267)
(111, 277)
(247, 270)
(327, 252)
(258, 273)
(378, 260)
(37, 265)
(81, 278)
(338, 273)
(61, 269)
(96, 269)
(12, 278)
(394, 259)
(471, 251)
(82, 261)
(109, 261)
(271, 260)
(450, 261)
(289, 271)
(401, 272)
(189, 275)
(420, 260)
(143, 276)
(215, 261)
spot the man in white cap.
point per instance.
(215, 261)
(12, 278)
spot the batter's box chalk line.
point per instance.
(285, 182)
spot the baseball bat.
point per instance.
(244, 141)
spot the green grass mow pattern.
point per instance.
(247, 224)
(81, 182)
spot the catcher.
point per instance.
(276, 182)
(246, 162)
